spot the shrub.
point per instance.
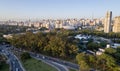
(25, 56)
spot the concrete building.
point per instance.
(69, 27)
(37, 24)
(58, 24)
(116, 25)
(108, 22)
(8, 36)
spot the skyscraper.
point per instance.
(116, 25)
(108, 22)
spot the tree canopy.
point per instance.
(58, 44)
(102, 62)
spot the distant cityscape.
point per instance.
(106, 24)
(51, 40)
(51, 24)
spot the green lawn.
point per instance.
(72, 70)
(37, 65)
(4, 67)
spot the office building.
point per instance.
(108, 22)
(116, 25)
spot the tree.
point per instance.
(103, 44)
(24, 56)
(57, 44)
(81, 58)
(2, 60)
(93, 46)
(117, 54)
(110, 51)
(102, 62)
(106, 63)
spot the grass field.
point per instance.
(72, 70)
(37, 65)
(3, 65)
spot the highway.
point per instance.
(58, 61)
(58, 66)
(15, 64)
(12, 59)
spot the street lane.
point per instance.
(59, 67)
(13, 61)
(51, 59)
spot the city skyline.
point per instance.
(56, 9)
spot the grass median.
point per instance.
(3, 65)
(37, 65)
(72, 70)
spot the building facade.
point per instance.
(116, 25)
(108, 22)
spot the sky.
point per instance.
(57, 9)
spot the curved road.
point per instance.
(58, 61)
(15, 65)
(58, 66)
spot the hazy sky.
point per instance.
(44, 9)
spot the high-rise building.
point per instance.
(108, 22)
(116, 25)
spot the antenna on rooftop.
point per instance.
(92, 15)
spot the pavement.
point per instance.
(15, 65)
(51, 59)
(58, 66)
(57, 63)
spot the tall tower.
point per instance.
(108, 22)
(116, 25)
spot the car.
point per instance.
(13, 62)
(43, 57)
(37, 55)
(8, 45)
(17, 69)
(3, 51)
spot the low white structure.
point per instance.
(115, 45)
(108, 46)
(69, 27)
(91, 52)
(102, 50)
(82, 37)
(99, 53)
(7, 36)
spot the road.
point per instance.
(14, 63)
(12, 59)
(58, 66)
(58, 61)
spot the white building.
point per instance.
(69, 27)
(99, 53)
(108, 22)
(82, 36)
(58, 24)
(7, 36)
